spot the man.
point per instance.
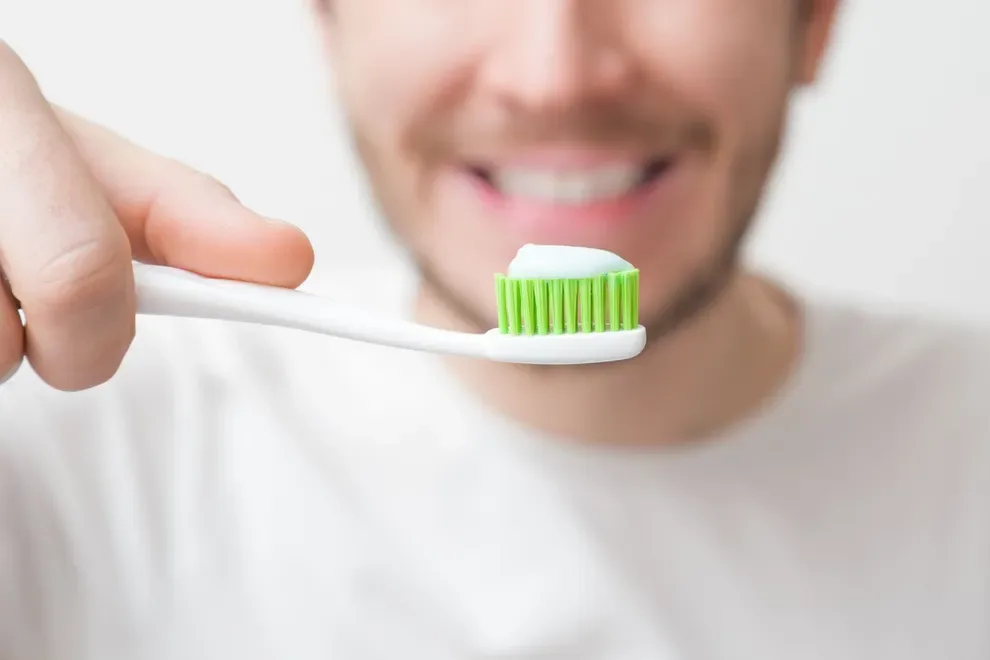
(773, 478)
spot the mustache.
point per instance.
(618, 126)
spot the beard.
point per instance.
(697, 291)
(702, 288)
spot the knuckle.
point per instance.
(13, 71)
(83, 275)
(208, 181)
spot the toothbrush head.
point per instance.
(568, 320)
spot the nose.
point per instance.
(553, 54)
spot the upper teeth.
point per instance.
(568, 187)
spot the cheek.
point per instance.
(724, 59)
(399, 66)
(729, 63)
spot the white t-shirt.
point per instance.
(251, 493)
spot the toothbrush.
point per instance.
(575, 315)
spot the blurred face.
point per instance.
(644, 127)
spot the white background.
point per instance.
(883, 193)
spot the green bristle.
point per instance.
(598, 296)
(503, 308)
(567, 306)
(527, 306)
(557, 305)
(512, 301)
(632, 302)
(614, 299)
(634, 281)
(584, 286)
(542, 307)
(570, 306)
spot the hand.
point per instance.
(77, 204)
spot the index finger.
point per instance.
(177, 216)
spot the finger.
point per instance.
(64, 252)
(11, 333)
(178, 217)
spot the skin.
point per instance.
(77, 203)
(432, 86)
(462, 83)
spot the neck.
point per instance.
(709, 374)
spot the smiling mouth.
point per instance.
(572, 186)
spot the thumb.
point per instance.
(176, 216)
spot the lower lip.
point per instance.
(563, 223)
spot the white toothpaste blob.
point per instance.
(551, 262)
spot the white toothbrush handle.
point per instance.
(164, 291)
